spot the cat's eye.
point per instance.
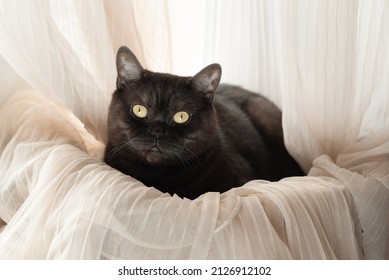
(181, 117)
(139, 111)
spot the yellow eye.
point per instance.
(139, 111)
(181, 117)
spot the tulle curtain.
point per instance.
(324, 63)
(336, 64)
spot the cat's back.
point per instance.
(241, 97)
(252, 126)
(235, 105)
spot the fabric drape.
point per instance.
(324, 63)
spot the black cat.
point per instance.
(187, 136)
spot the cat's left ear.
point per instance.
(128, 67)
(207, 80)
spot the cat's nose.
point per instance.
(157, 135)
(157, 132)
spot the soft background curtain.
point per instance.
(324, 63)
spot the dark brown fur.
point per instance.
(233, 136)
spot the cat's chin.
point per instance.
(154, 156)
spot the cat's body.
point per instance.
(182, 136)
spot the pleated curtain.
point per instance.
(324, 63)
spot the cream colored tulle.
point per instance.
(324, 62)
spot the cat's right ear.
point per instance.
(128, 66)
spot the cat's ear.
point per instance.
(128, 66)
(207, 80)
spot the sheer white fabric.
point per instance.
(324, 62)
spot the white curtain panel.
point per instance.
(325, 63)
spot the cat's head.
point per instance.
(161, 118)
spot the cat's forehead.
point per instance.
(165, 90)
(166, 82)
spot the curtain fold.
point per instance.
(336, 103)
(51, 59)
(324, 63)
(61, 203)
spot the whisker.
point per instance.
(184, 162)
(187, 158)
(193, 156)
(120, 147)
